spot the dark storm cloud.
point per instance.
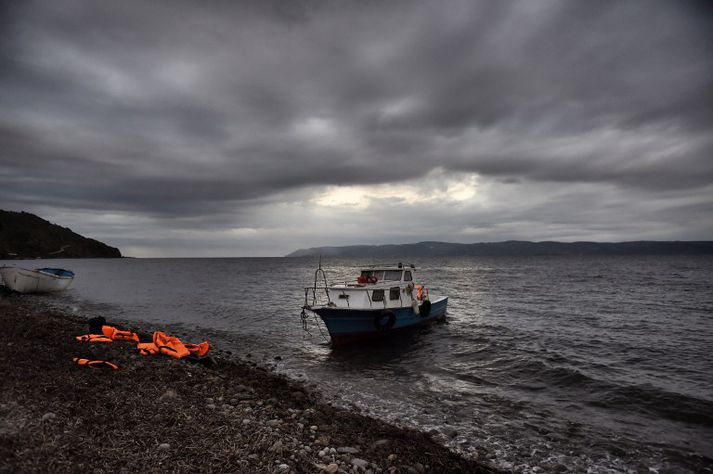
(191, 108)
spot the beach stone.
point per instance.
(392, 457)
(209, 401)
(168, 395)
(360, 463)
(246, 421)
(211, 406)
(283, 467)
(347, 450)
(322, 440)
(332, 468)
(322, 453)
(164, 447)
(48, 416)
(314, 428)
(381, 442)
(276, 447)
(419, 467)
(273, 423)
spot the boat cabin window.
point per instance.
(394, 293)
(377, 295)
(392, 275)
(379, 274)
(407, 276)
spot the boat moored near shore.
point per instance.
(40, 280)
(381, 300)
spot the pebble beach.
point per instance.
(157, 414)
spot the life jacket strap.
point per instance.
(95, 364)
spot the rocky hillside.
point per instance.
(24, 235)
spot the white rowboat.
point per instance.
(41, 280)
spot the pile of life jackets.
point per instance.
(172, 346)
(161, 344)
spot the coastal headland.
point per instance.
(26, 236)
(157, 414)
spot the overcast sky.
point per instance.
(239, 128)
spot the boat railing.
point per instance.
(320, 295)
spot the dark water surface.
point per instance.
(599, 364)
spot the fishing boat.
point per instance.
(380, 301)
(40, 280)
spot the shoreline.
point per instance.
(159, 414)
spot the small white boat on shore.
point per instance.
(40, 280)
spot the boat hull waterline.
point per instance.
(42, 280)
(346, 326)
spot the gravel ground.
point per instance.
(156, 414)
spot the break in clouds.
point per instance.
(254, 128)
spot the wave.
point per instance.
(651, 400)
(574, 383)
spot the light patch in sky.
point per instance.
(179, 74)
(436, 186)
(314, 127)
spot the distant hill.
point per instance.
(511, 248)
(24, 235)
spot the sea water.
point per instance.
(599, 364)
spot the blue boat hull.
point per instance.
(350, 325)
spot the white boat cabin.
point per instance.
(378, 288)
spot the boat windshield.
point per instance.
(383, 275)
(370, 273)
(392, 275)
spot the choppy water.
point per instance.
(599, 364)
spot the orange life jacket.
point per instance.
(147, 348)
(198, 349)
(119, 335)
(95, 364)
(93, 338)
(169, 345)
(172, 346)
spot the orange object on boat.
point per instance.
(119, 335)
(95, 364)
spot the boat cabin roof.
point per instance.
(382, 268)
(389, 273)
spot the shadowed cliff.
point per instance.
(24, 235)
